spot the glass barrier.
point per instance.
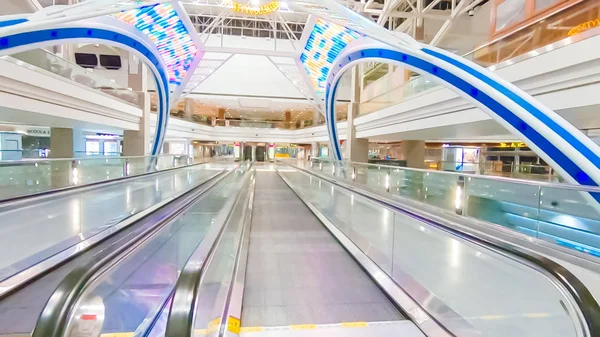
(560, 213)
(42, 59)
(565, 27)
(20, 178)
(468, 288)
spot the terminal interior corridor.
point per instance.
(280, 251)
(299, 168)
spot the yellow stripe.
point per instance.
(233, 324)
(354, 324)
(303, 326)
(200, 332)
(251, 329)
(118, 334)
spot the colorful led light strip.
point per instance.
(162, 25)
(324, 44)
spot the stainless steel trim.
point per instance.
(182, 315)
(18, 280)
(238, 280)
(477, 176)
(38, 160)
(400, 296)
(498, 246)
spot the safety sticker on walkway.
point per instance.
(233, 324)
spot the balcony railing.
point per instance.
(530, 41)
(41, 59)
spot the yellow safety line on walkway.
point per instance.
(354, 324)
(303, 326)
(349, 325)
(251, 329)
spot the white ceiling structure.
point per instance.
(249, 67)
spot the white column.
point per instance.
(137, 142)
(356, 149)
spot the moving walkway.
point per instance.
(280, 252)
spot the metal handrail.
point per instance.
(36, 197)
(37, 160)
(584, 188)
(180, 322)
(54, 320)
(583, 298)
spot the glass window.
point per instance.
(543, 4)
(510, 12)
(92, 147)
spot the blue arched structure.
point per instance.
(128, 30)
(559, 143)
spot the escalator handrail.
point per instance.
(582, 296)
(55, 317)
(180, 322)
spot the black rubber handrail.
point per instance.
(180, 322)
(54, 319)
(582, 296)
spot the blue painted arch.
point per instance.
(553, 154)
(62, 35)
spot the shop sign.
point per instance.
(38, 132)
(583, 27)
(513, 145)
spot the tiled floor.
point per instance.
(297, 272)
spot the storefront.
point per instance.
(103, 144)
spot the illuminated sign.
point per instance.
(583, 27)
(324, 44)
(162, 25)
(518, 144)
(253, 10)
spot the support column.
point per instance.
(316, 117)
(288, 119)
(190, 106)
(137, 142)
(413, 151)
(61, 143)
(356, 149)
(137, 78)
(222, 118)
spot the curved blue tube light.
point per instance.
(66, 35)
(447, 74)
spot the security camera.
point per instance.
(471, 12)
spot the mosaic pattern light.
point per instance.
(323, 45)
(162, 25)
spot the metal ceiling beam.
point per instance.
(247, 51)
(456, 11)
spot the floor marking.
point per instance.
(348, 325)
(354, 324)
(303, 326)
